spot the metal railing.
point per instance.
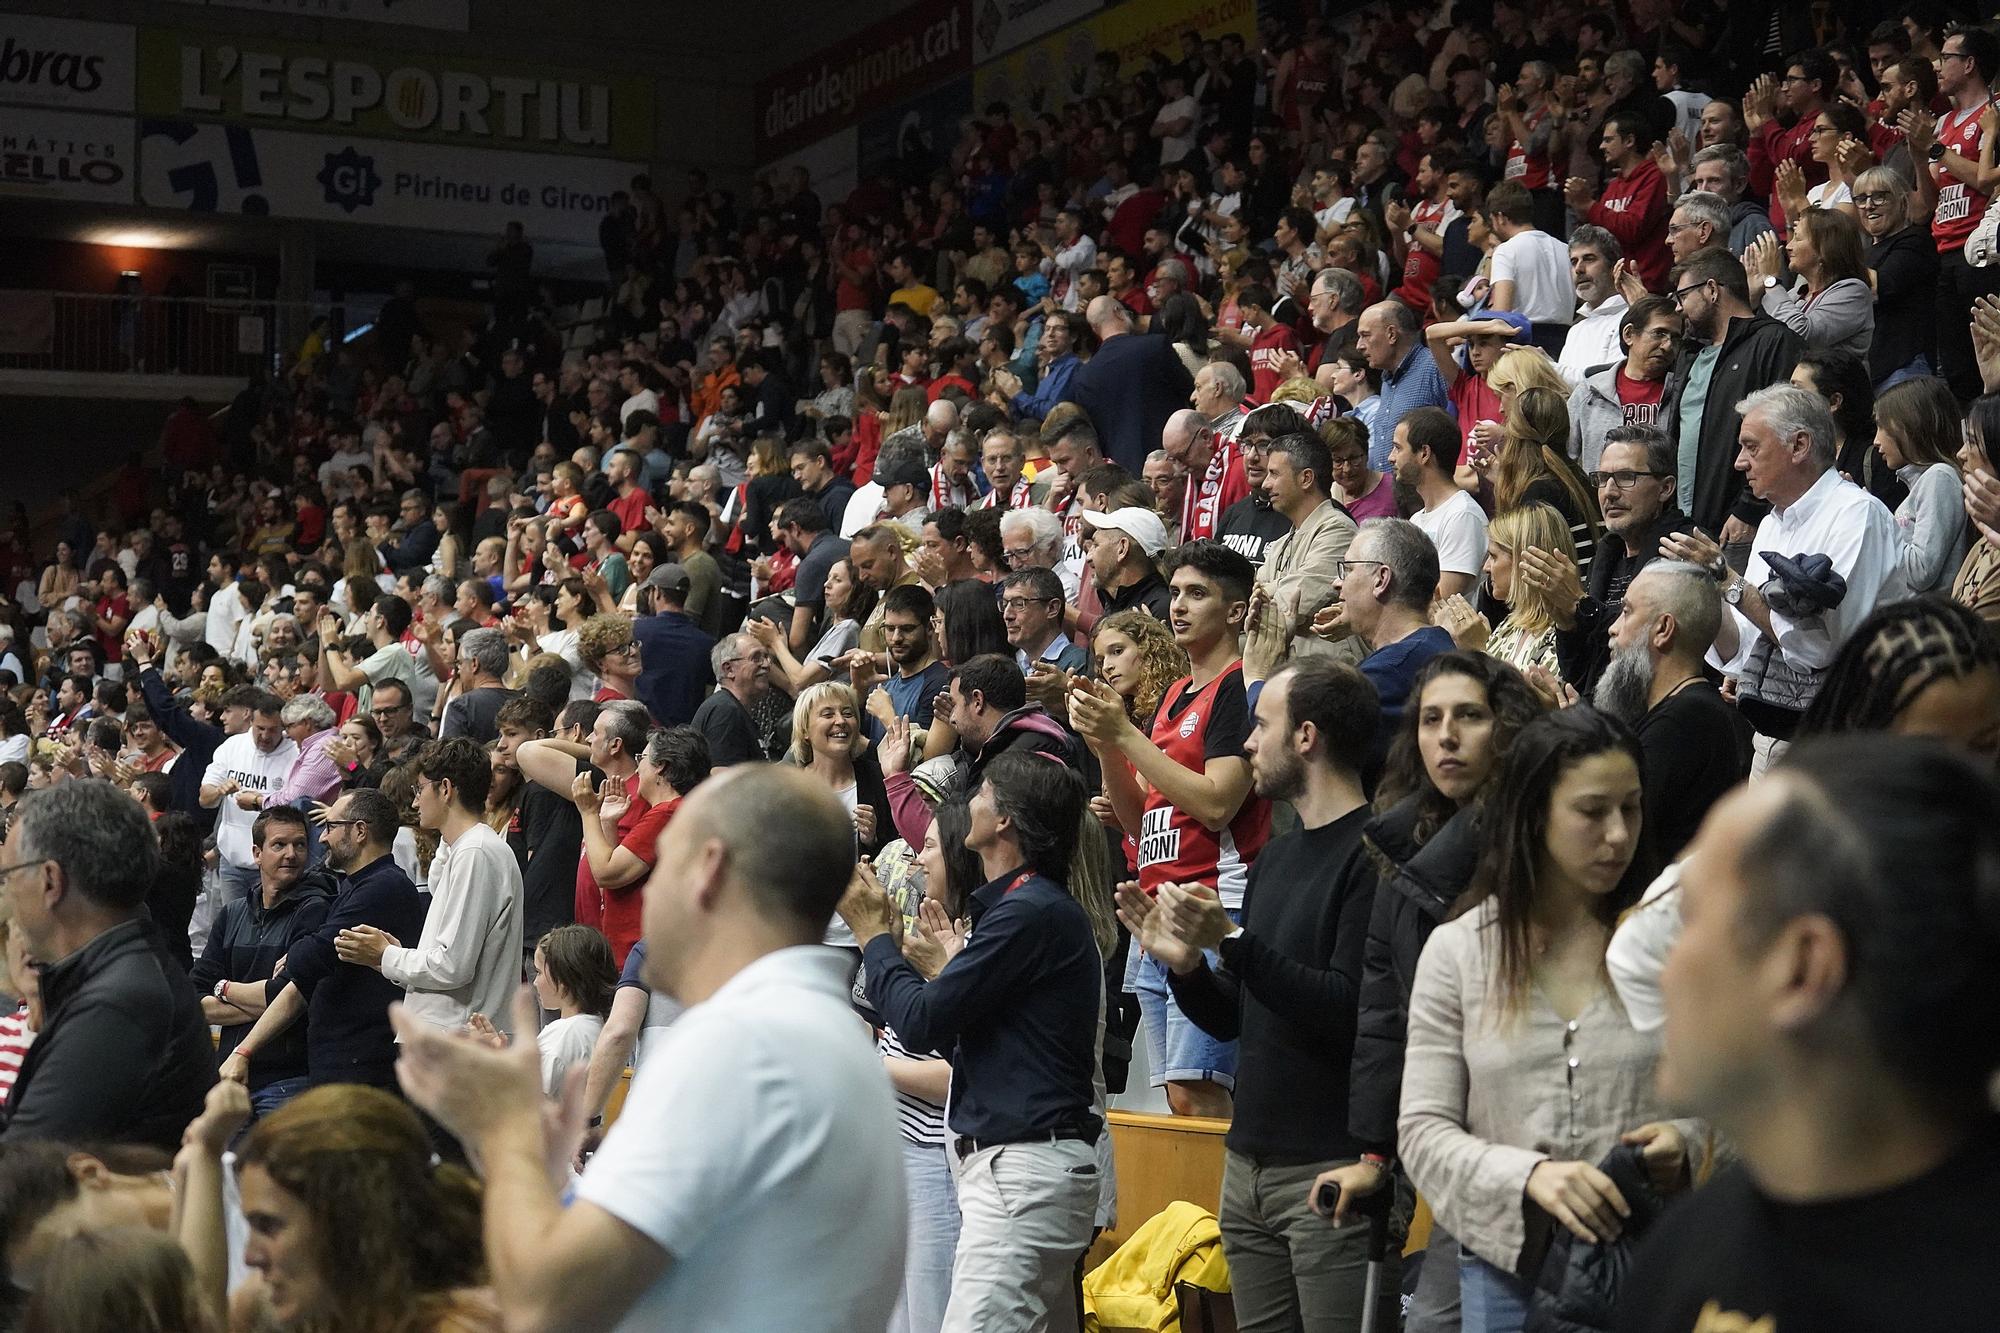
(161, 335)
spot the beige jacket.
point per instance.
(1486, 1098)
(1301, 565)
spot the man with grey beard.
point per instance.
(1695, 746)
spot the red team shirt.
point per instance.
(1420, 266)
(1959, 206)
(1531, 171)
(1640, 399)
(1192, 727)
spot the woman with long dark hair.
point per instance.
(1918, 432)
(1841, 378)
(967, 622)
(1978, 583)
(1522, 1070)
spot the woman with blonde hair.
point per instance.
(906, 409)
(1515, 370)
(827, 742)
(1526, 637)
(1533, 466)
(1137, 656)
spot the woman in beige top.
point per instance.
(59, 579)
(1977, 586)
(1522, 1069)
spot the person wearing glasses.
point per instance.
(1904, 263)
(1214, 467)
(1831, 306)
(1636, 493)
(1808, 83)
(123, 1054)
(1031, 605)
(1730, 351)
(1627, 392)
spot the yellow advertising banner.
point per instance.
(1049, 73)
(420, 96)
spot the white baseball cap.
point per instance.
(1141, 525)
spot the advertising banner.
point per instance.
(911, 140)
(448, 15)
(998, 26)
(885, 63)
(469, 103)
(66, 63)
(47, 154)
(1048, 74)
(329, 178)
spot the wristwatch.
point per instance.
(1733, 594)
(1936, 152)
(1769, 282)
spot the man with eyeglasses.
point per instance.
(1729, 352)
(123, 1055)
(1637, 493)
(1626, 393)
(1809, 79)
(1969, 61)
(393, 713)
(1251, 525)
(1214, 468)
(742, 669)
(1033, 539)
(1908, 83)
(1031, 606)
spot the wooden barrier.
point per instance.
(1161, 1159)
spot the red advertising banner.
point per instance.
(904, 54)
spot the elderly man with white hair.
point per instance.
(1820, 562)
(1130, 385)
(1032, 538)
(1214, 470)
(1218, 395)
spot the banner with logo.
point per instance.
(885, 63)
(1049, 74)
(448, 15)
(469, 103)
(329, 178)
(66, 63)
(998, 26)
(48, 154)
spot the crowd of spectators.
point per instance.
(884, 669)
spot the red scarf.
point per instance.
(1016, 498)
(1201, 506)
(945, 495)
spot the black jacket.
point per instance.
(196, 738)
(123, 1055)
(1133, 384)
(1583, 650)
(245, 944)
(1756, 352)
(347, 1032)
(1578, 1284)
(1419, 884)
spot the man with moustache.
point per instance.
(1636, 493)
(1695, 746)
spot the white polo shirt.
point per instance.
(759, 1148)
(1538, 266)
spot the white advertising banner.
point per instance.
(330, 178)
(998, 26)
(66, 63)
(48, 154)
(448, 15)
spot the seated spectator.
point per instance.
(1526, 638)
(1978, 582)
(1918, 432)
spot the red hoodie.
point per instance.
(1772, 144)
(1634, 209)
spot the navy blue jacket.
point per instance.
(196, 738)
(674, 673)
(1130, 388)
(1016, 1010)
(245, 944)
(348, 1037)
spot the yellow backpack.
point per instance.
(1133, 1290)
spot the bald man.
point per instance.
(1130, 386)
(1214, 468)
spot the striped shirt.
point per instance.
(921, 1121)
(15, 1039)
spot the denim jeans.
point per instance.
(275, 1094)
(238, 882)
(933, 1239)
(1491, 1301)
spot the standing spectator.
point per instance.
(1531, 269)
(1017, 1009)
(1722, 170)
(1122, 547)
(1288, 990)
(673, 648)
(1918, 431)
(1894, 840)
(244, 769)
(1629, 392)
(742, 668)
(387, 621)
(347, 1035)
(1633, 203)
(1425, 456)
(1695, 747)
(1213, 467)
(1592, 340)
(1391, 338)
(1301, 567)
(619, 847)
(1130, 385)
(1820, 527)
(1699, 220)
(1494, 1017)
(1184, 792)
(1953, 148)
(1810, 81)
(251, 937)
(764, 1121)
(1265, 339)
(803, 525)
(1903, 263)
(1730, 351)
(468, 960)
(123, 1055)
(1387, 585)
(589, 773)
(1832, 306)
(482, 666)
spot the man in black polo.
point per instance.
(1017, 1009)
(348, 1038)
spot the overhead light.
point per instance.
(132, 238)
